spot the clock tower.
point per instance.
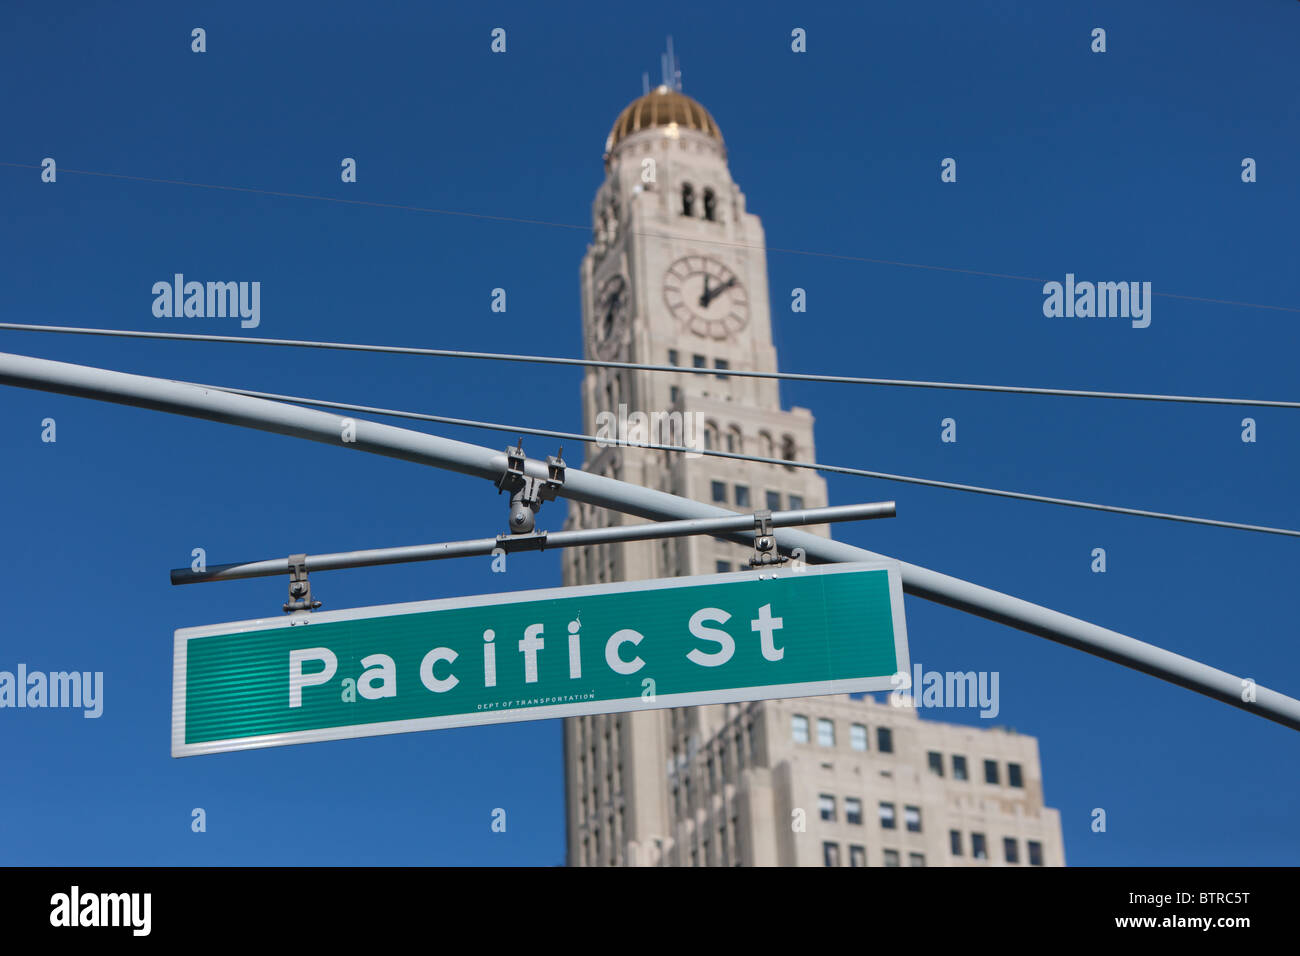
(675, 274)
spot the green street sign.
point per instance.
(532, 655)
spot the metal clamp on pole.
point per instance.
(526, 492)
(765, 550)
(299, 586)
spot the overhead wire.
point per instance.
(651, 367)
(605, 441)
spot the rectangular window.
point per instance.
(936, 763)
(912, 816)
(723, 567)
(916, 859)
(1014, 776)
(799, 728)
(699, 361)
(831, 854)
(884, 740)
(674, 396)
(742, 496)
(991, 772)
(978, 846)
(958, 767)
(719, 489)
(774, 501)
(825, 732)
(673, 358)
(853, 810)
(826, 804)
(796, 501)
(721, 364)
(887, 821)
(858, 736)
(891, 858)
(1010, 850)
(1035, 853)
(857, 855)
(954, 842)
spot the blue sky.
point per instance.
(1116, 166)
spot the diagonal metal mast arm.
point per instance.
(183, 398)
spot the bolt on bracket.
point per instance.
(526, 492)
(765, 550)
(299, 587)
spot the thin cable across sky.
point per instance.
(738, 456)
(490, 217)
(647, 367)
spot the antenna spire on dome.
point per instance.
(671, 69)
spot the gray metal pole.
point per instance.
(185, 399)
(373, 557)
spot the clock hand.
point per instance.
(710, 296)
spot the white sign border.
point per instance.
(899, 681)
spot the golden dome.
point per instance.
(661, 107)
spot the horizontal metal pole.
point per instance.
(478, 547)
(372, 437)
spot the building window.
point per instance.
(831, 854)
(958, 767)
(857, 855)
(796, 502)
(884, 740)
(912, 816)
(721, 365)
(1035, 853)
(799, 728)
(826, 805)
(765, 444)
(710, 205)
(719, 489)
(891, 858)
(724, 567)
(674, 395)
(699, 361)
(742, 491)
(774, 501)
(852, 810)
(991, 772)
(936, 763)
(887, 821)
(916, 859)
(1010, 850)
(858, 736)
(978, 847)
(688, 200)
(788, 448)
(673, 357)
(1014, 776)
(825, 732)
(710, 436)
(954, 842)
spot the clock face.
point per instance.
(706, 297)
(610, 319)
